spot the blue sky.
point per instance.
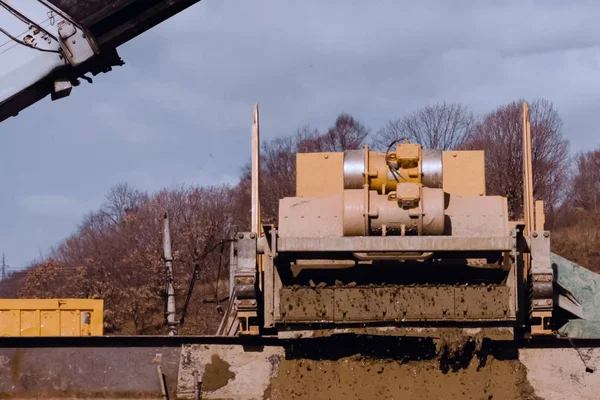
(180, 110)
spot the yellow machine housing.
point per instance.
(409, 191)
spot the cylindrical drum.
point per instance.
(354, 169)
(355, 213)
(431, 169)
(378, 214)
(384, 180)
(425, 219)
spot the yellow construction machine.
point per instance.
(401, 242)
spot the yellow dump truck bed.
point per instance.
(51, 317)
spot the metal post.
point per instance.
(161, 381)
(527, 185)
(256, 174)
(527, 173)
(4, 266)
(256, 222)
(169, 274)
(196, 385)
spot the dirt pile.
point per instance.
(358, 377)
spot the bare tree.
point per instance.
(277, 178)
(52, 278)
(12, 284)
(586, 183)
(121, 200)
(278, 175)
(441, 126)
(309, 140)
(577, 238)
(121, 262)
(500, 135)
(345, 134)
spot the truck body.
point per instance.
(51, 317)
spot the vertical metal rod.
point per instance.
(527, 203)
(196, 385)
(256, 223)
(161, 380)
(527, 173)
(530, 201)
(168, 257)
(256, 173)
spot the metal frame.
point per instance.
(508, 245)
(394, 243)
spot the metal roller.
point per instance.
(432, 169)
(245, 291)
(354, 169)
(542, 290)
(369, 213)
(382, 178)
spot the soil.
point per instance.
(217, 374)
(487, 376)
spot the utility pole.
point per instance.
(4, 267)
(170, 289)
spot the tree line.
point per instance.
(115, 254)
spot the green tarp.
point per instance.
(585, 287)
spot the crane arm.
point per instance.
(47, 46)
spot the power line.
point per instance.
(31, 23)
(23, 43)
(23, 33)
(24, 19)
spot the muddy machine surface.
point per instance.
(401, 242)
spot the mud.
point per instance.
(450, 367)
(363, 378)
(452, 343)
(217, 374)
(395, 303)
(443, 337)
